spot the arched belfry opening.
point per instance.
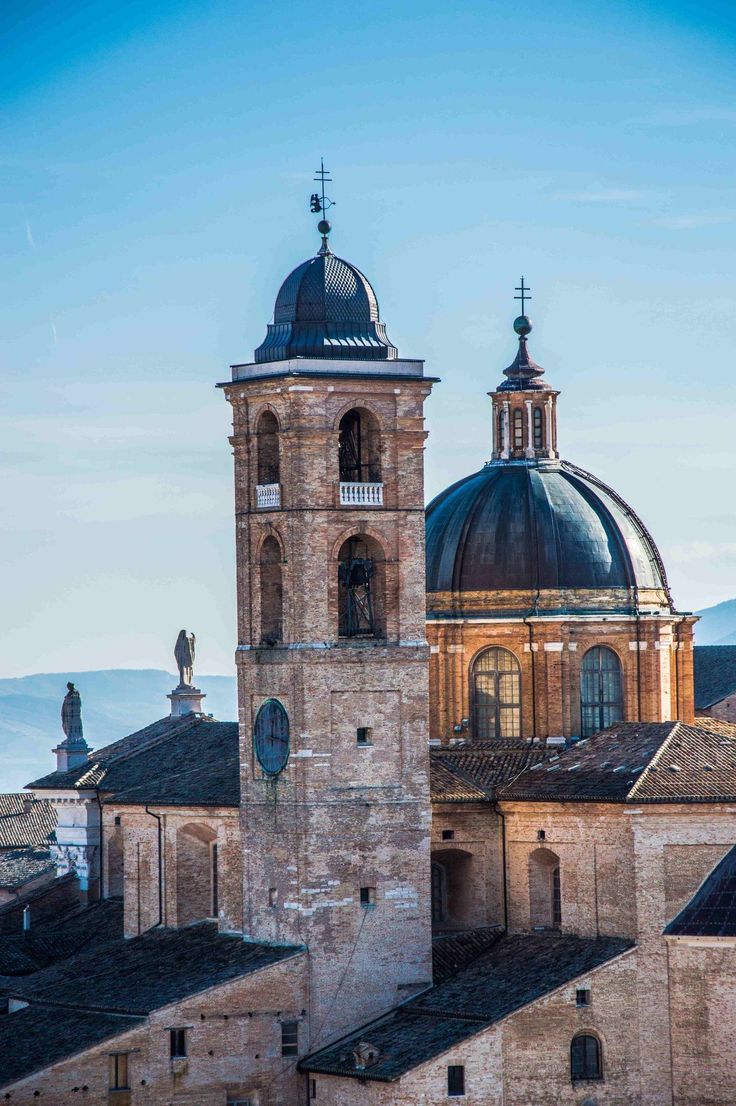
(359, 451)
(196, 873)
(267, 442)
(272, 599)
(545, 892)
(361, 578)
(601, 690)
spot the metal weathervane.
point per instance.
(318, 202)
(524, 290)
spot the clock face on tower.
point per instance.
(271, 737)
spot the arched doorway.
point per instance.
(601, 690)
(267, 437)
(196, 874)
(545, 899)
(359, 450)
(496, 685)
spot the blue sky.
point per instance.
(156, 164)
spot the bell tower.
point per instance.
(332, 661)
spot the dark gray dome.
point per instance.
(522, 527)
(326, 308)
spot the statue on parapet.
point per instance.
(184, 655)
(71, 714)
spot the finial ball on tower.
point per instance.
(523, 325)
(324, 227)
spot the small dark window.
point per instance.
(582, 996)
(518, 429)
(455, 1080)
(541, 835)
(215, 881)
(312, 1088)
(290, 1038)
(272, 896)
(177, 1043)
(447, 835)
(367, 896)
(585, 1057)
(500, 430)
(364, 735)
(117, 819)
(538, 433)
(119, 1071)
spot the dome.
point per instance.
(326, 308)
(548, 526)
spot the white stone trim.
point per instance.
(553, 646)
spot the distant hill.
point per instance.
(717, 624)
(115, 702)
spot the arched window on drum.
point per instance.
(496, 685)
(601, 690)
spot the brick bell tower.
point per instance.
(332, 661)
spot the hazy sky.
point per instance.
(156, 164)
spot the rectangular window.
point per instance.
(177, 1043)
(215, 881)
(290, 1038)
(582, 996)
(364, 735)
(272, 896)
(455, 1080)
(312, 1089)
(119, 1071)
(448, 835)
(367, 896)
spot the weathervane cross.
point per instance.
(318, 201)
(524, 289)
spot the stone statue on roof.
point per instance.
(71, 714)
(184, 655)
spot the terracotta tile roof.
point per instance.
(79, 1000)
(19, 827)
(189, 761)
(514, 972)
(712, 910)
(632, 762)
(453, 951)
(474, 772)
(38, 1036)
(159, 967)
(714, 673)
(19, 866)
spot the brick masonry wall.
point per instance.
(138, 833)
(657, 676)
(338, 817)
(526, 1058)
(475, 854)
(233, 1045)
(702, 975)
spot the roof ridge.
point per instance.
(462, 775)
(653, 762)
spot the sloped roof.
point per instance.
(112, 984)
(159, 967)
(19, 866)
(20, 826)
(73, 931)
(711, 911)
(190, 761)
(453, 951)
(714, 674)
(474, 772)
(39, 1036)
(633, 762)
(514, 972)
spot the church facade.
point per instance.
(467, 839)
